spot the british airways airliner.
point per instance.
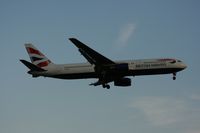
(99, 66)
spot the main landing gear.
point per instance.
(174, 76)
(107, 86)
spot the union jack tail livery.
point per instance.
(37, 58)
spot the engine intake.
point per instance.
(123, 82)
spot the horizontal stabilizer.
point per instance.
(31, 66)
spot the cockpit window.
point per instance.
(172, 62)
(179, 61)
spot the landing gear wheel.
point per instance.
(107, 86)
(174, 76)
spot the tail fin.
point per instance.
(37, 58)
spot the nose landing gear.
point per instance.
(174, 76)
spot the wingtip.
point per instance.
(21, 60)
(74, 41)
(72, 38)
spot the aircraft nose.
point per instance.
(183, 66)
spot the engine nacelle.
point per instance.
(123, 82)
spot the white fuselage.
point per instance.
(135, 68)
(98, 66)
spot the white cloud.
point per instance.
(160, 111)
(125, 33)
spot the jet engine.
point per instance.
(123, 82)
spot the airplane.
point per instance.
(99, 66)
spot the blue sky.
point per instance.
(125, 29)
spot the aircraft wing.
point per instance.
(91, 55)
